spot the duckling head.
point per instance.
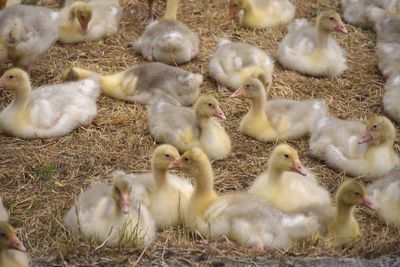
(166, 157)
(352, 193)
(194, 161)
(121, 192)
(82, 12)
(8, 238)
(330, 21)
(251, 88)
(207, 106)
(379, 130)
(14, 79)
(286, 158)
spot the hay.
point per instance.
(40, 179)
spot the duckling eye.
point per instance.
(210, 104)
(332, 19)
(286, 156)
(167, 156)
(118, 191)
(185, 159)
(375, 126)
(11, 77)
(2, 234)
(247, 85)
(356, 193)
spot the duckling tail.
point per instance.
(172, 10)
(75, 74)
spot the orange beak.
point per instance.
(219, 114)
(366, 202)
(16, 244)
(124, 203)
(340, 26)
(298, 167)
(239, 92)
(366, 138)
(176, 164)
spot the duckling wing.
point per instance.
(173, 125)
(63, 105)
(300, 116)
(105, 19)
(339, 137)
(388, 57)
(301, 38)
(166, 83)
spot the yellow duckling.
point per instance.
(312, 50)
(88, 20)
(109, 214)
(234, 62)
(278, 119)
(288, 185)
(245, 218)
(259, 14)
(385, 194)
(344, 227)
(168, 40)
(47, 111)
(146, 83)
(164, 194)
(356, 149)
(12, 251)
(185, 128)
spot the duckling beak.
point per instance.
(366, 138)
(340, 26)
(239, 92)
(125, 202)
(219, 114)
(16, 244)
(84, 26)
(299, 168)
(175, 164)
(366, 202)
(231, 12)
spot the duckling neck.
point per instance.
(274, 173)
(205, 181)
(22, 95)
(258, 104)
(203, 122)
(323, 37)
(344, 212)
(248, 6)
(172, 10)
(160, 175)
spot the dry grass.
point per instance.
(41, 178)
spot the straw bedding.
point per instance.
(40, 179)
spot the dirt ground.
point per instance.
(40, 179)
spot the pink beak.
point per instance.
(298, 167)
(219, 114)
(340, 27)
(231, 12)
(366, 138)
(367, 203)
(175, 164)
(16, 244)
(239, 92)
(125, 202)
(84, 26)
